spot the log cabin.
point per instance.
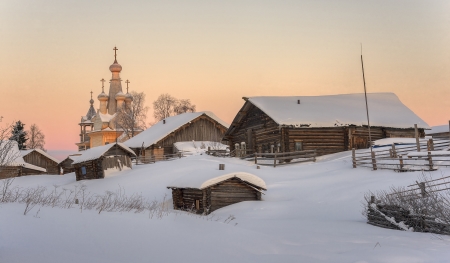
(12, 163)
(203, 194)
(327, 124)
(42, 159)
(159, 139)
(95, 162)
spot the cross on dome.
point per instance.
(115, 54)
(103, 84)
(127, 81)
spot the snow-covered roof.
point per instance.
(204, 180)
(26, 152)
(14, 157)
(437, 129)
(385, 110)
(160, 130)
(106, 117)
(96, 152)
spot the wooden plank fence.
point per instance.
(406, 158)
(283, 158)
(158, 158)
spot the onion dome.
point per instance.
(120, 96)
(128, 97)
(103, 96)
(91, 101)
(115, 67)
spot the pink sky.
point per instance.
(214, 53)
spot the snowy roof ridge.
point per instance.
(200, 181)
(385, 110)
(163, 128)
(438, 129)
(96, 152)
(26, 152)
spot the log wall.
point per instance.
(94, 170)
(230, 192)
(40, 160)
(323, 140)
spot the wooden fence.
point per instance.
(406, 158)
(276, 159)
(158, 158)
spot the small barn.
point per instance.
(439, 132)
(204, 194)
(12, 163)
(42, 159)
(95, 162)
(327, 124)
(66, 165)
(159, 139)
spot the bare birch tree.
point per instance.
(132, 118)
(36, 138)
(166, 105)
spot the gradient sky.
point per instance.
(53, 53)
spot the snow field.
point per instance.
(311, 213)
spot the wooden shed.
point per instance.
(439, 132)
(94, 162)
(203, 194)
(12, 163)
(159, 139)
(327, 124)
(41, 159)
(66, 165)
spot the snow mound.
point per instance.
(198, 146)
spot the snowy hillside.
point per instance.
(311, 212)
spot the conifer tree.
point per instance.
(19, 135)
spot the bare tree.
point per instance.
(131, 118)
(163, 106)
(183, 106)
(7, 152)
(166, 105)
(36, 138)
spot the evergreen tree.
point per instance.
(19, 135)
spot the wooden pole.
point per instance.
(431, 144)
(256, 158)
(394, 152)
(417, 137)
(354, 157)
(401, 162)
(430, 161)
(365, 96)
(374, 161)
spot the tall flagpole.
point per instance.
(367, 107)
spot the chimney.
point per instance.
(164, 121)
(298, 101)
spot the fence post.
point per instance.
(394, 152)
(372, 199)
(237, 150)
(400, 158)
(256, 158)
(275, 160)
(423, 192)
(431, 144)
(272, 148)
(390, 153)
(430, 161)
(417, 137)
(314, 158)
(374, 161)
(353, 157)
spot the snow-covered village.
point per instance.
(224, 131)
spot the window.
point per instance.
(83, 170)
(298, 146)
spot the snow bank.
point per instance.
(204, 180)
(96, 152)
(385, 110)
(160, 130)
(198, 146)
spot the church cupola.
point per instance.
(115, 86)
(103, 98)
(128, 97)
(120, 98)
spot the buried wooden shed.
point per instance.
(203, 194)
(12, 163)
(93, 163)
